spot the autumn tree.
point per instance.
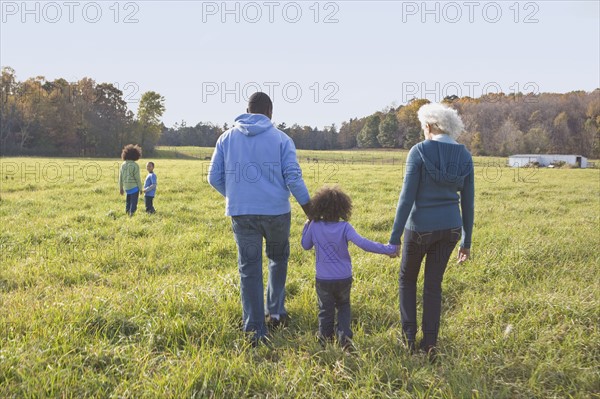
(510, 138)
(477, 144)
(9, 114)
(408, 122)
(592, 126)
(560, 133)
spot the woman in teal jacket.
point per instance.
(435, 211)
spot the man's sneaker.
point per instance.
(257, 341)
(347, 344)
(276, 323)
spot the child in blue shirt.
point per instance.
(329, 232)
(150, 188)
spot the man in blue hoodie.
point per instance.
(254, 167)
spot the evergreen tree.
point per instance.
(367, 138)
(388, 131)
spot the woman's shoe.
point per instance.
(431, 352)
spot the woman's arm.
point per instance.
(467, 205)
(408, 195)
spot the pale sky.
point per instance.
(322, 62)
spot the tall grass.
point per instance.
(96, 304)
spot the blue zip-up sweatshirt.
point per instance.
(436, 172)
(254, 167)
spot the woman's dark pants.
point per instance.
(436, 247)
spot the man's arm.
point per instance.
(216, 170)
(292, 175)
(307, 208)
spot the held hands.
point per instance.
(121, 191)
(463, 254)
(396, 253)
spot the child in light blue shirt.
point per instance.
(150, 188)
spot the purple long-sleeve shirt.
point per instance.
(330, 240)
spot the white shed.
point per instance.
(521, 160)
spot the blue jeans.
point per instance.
(437, 246)
(249, 231)
(131, 203)
(334, 295)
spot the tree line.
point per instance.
(87, 118)
(495, 125)
(84, 118)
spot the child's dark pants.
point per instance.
(149, 205)
(334, 295)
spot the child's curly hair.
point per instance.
(330, 204)
(131, 152)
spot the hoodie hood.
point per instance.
(446, 164)
(252, 124)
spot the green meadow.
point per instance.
(94, 304)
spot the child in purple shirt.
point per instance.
(329, 232)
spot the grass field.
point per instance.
(342, 157)
(96, 304)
